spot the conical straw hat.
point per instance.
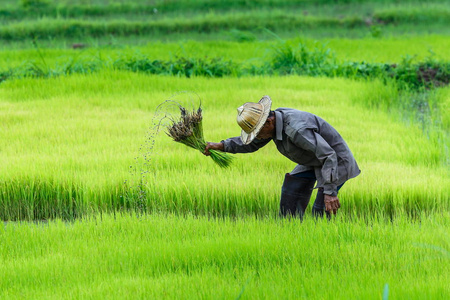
(251, 117)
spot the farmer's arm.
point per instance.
(311, 140)
(235, 145)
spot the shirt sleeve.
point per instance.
(235, 145)
(310, 140)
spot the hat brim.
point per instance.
(247, 138)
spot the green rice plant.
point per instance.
(301, 59)
(34, 4)
(421, 13)
(210, 23)
(242, 36)
(4, 75)
(387, 50)
(72, 141)
(285, 59)
(35, 8)
(180, 66)
(163, 19)
(188, 130)
(121, 255)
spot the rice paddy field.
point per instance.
(96, 203)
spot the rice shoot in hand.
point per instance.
(188, 130)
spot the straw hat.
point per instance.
(251, 117)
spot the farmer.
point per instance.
(319, 150)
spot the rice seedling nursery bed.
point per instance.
(96, 205)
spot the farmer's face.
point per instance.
(268, 130)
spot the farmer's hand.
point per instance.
(332, 204)
(213, 146)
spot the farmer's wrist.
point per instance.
(215, 146)
(333, 194)
(330, 190)
(218, 146)
(224, 146)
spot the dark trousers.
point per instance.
(296, 193)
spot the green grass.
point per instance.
(208, 19)
(211, 23)
(284, 58)
(79, 135)
(389, 50)
(165, 256)
(154, 9)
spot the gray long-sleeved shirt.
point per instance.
(312, 143)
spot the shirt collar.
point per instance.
(279, 125)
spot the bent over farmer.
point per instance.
(319, 150)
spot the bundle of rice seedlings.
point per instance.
(188, 130)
